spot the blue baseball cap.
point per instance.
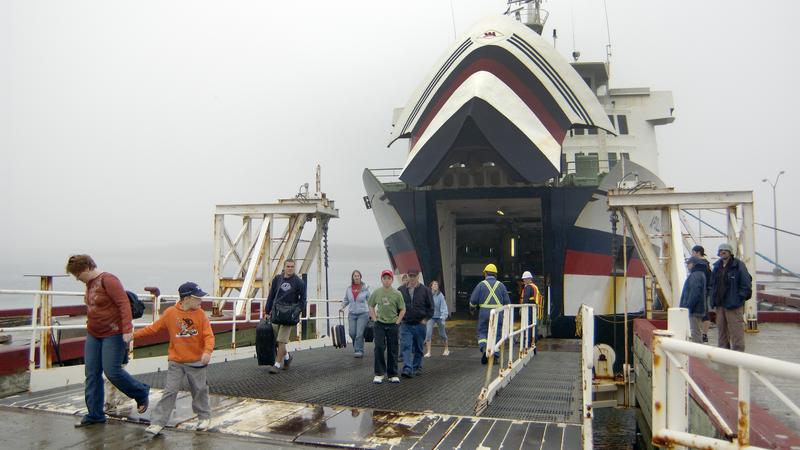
(190, 289)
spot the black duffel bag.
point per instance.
(369, 331)
(285, 314)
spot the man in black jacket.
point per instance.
(731, 285)
(419, 308)
(693, 296)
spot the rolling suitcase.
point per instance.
(265, 343)
(338, 334)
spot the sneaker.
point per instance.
(378, 379)
(496, 359)
(274, 369)
(705, 337)
(203, 424)
(484, 358)
(358, 355)
(446, 353)
(428, 355)
(418, 372)
(287, 361)
(154, 429)
(406, 374)
(86, 422)
(394, 380)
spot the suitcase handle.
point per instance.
(341, 317)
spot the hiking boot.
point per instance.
(154, 429)
(484, 358)
(378, 379)
(394, 380)
(86, 422)
(406, 374)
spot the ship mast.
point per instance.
(529, 12)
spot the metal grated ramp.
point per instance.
(547, 390)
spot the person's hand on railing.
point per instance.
(154, 291)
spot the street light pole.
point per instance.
(774, 185)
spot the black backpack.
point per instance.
(137, 307)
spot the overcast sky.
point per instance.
(122, 124)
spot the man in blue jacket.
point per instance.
(693, 296)
(731, 285)
(488, 294)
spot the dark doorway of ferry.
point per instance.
(506, 232)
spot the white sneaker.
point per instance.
(394, 380)
(428, 355)
(203, 424)
(378, 379)
(154, 429)
(446, 353)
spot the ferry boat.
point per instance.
(511, 151)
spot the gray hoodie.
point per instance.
(357, 305)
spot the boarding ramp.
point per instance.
(538, 407)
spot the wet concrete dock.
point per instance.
(326, 398)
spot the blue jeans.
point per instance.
(413, 341)
(429, 330)
(356, 324)
(105, 355)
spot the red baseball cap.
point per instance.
(387, 272)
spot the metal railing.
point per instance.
(41, 318)
(510, 361)
(671, 379)
(587, 367)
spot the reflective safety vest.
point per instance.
(537, 297)
(492, 301)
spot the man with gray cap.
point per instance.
(693, 296)
(731, 285)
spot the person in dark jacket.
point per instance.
(693, 296)
(700, 252)
(731, 285)
(286, 289)
(419, 309)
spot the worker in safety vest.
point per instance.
(487, 295)
(530, 295)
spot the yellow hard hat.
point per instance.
(490, 268)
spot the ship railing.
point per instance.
(42, 324)
(587, 369)
(671, 382)
(388, 174)
(501, 337)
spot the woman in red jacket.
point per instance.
(109, 328)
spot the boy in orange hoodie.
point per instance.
(191, 342)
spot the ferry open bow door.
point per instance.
(448, 248)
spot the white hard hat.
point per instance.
(527, 275)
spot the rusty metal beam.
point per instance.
(649, 257)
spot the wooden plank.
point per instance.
(457, 433)
(534, 436)
(553, 435)
(497, 434)
(572, 437)
(435, 434)
(515, 435)
(477, 434)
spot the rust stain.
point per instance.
(656, 360)
(744, 423)
(658, 406)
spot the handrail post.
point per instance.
(677, 388)
(45, 284)
(744, 407)
(587, 364)
(659, 401)
(233, 326)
